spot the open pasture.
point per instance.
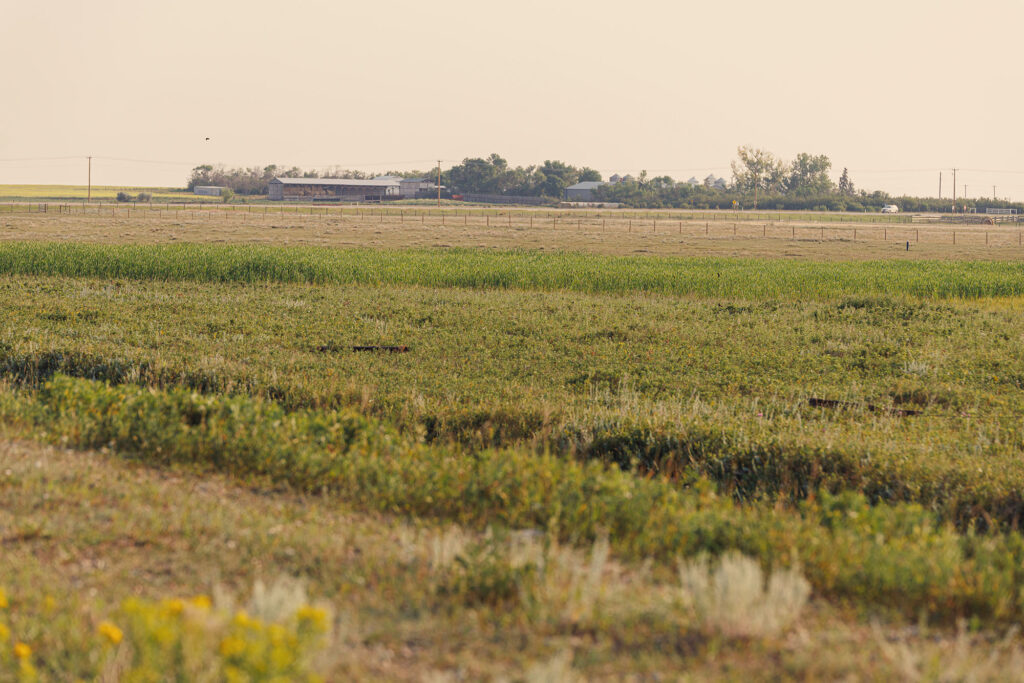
(568, 439)
(37, 193)
(810, 236)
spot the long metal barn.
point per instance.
(339, 189)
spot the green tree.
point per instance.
(845, 184)
(589, 174)
(758, 169)
(479, 175)
(808, 174)
(557, 177)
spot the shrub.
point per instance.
(124, 197)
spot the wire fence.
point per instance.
(711, 225)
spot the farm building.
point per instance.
(410, 187)
(207, 190)
(334, 189)
(583, 192)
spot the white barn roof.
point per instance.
(336, 182)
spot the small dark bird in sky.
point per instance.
(207, 139)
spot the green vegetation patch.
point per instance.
(714, 277)
(882, 555)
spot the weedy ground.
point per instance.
(83, 532)
(554, 481)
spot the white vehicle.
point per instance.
(890, 208)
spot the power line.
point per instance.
(26, 159)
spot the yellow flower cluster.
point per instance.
(110, 632)
(217, 644)
(21, 652)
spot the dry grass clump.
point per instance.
(731, 596)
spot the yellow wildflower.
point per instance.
(277, 634)
(231, 646)
(22, 651)
(202, 602)
(174, 606)
(3, 599)
(111, 632)
(5, 632)
(313, 618)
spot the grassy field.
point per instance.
(616, 235)
(79, 192)
(585, 465)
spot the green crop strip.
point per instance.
(516, 270)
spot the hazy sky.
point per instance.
(895, 90)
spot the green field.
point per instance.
(573, 447)
(98, 192)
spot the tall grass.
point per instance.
(522, 270)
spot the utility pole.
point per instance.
(439, 183)
(993, 193)
(88, 194)
(965, 191)
(954, 190)
(940, 184)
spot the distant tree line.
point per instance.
(493, 175)
(762, 180)
(759, 180)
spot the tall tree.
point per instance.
(557, 176)
(758, 168)
(808, 174)
(845, 184)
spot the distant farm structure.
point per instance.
(582, 192)
(378, 189)
(207, 190)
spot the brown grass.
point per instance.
(617, 236)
